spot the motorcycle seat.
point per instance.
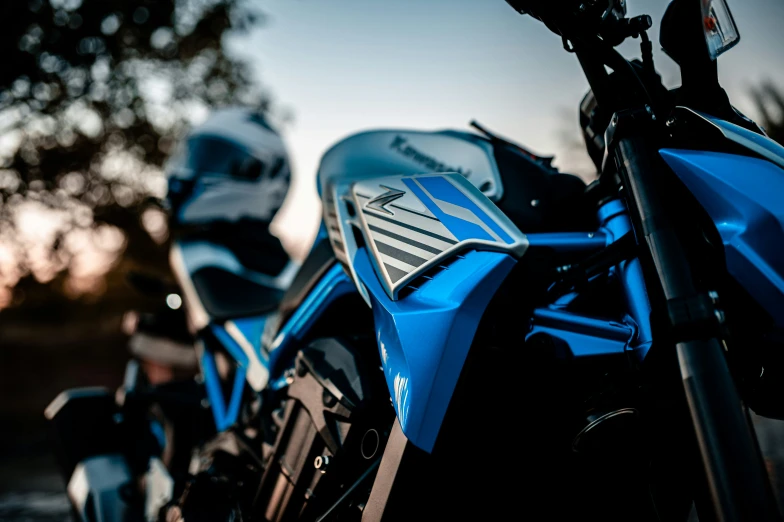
(218, 287)
(226, 295)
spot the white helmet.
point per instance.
(232, 168)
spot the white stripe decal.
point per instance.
(257, 374)
(405, 247)
(412, 234)
(400, 265)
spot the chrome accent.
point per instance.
(595, 422)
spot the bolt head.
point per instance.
(321, 462)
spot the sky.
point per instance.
(343, 66)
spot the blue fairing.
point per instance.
(224, 414)
(757, 143)
(241, 338)
(424, 337)
(333, 285)
(745, 198)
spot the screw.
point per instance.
(719, 316)
(590, 235)
(534, 203)
(714, 296)
(321, 463)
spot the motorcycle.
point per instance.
(123, 455)
(476, 335)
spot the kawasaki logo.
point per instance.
(401, 145)
(380, 202)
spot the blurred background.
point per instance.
(94, 93)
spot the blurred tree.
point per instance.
(93, 93)
(769, 100)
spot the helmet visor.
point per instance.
(212, 155)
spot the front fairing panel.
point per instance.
(744, 196)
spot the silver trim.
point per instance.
(593, 424)
(341, 195)
(409, 261)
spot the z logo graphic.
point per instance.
(379, 203)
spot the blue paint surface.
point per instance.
(334, 284)
(424, 338)
(231, 346)
(461, 228)
(614, 219)
(744, 197)
(568, 242)
(252, 328)
(443, 190)
(584, 336)
(224, 415)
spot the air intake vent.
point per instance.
(428, 276)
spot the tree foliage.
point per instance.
(93, 94)
(769, 100)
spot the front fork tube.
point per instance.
(736, 477)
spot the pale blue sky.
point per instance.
(343, 66)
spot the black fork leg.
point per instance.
(736, 476)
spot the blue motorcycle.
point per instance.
(475, 335)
